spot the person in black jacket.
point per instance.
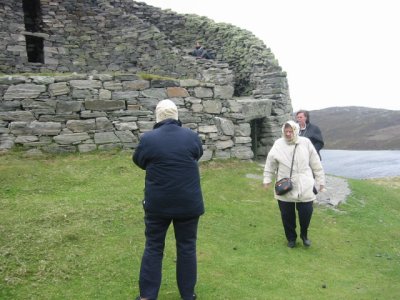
(169, 154)
(200, 52)
(309, 130)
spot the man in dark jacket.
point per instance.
(169, 154)
(200, 52)
(309, 130)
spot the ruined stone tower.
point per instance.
(92, 61)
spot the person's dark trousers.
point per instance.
(288, 215)
(186, 264)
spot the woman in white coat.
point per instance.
(306, 166)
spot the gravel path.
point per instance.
(337, 190)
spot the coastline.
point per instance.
(361, 164)
(390, 181)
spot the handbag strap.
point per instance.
(291, 167)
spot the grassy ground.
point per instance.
(71, 227)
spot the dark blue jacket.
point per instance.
(169, 154)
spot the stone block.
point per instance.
(203, 92)
(23, 91)
(82, 94)
(113, 86)
(223, 91)
(45, 128)
(224, 144)
(59, 149)
(242, 140)
(104, 105)
(207, 155)
(222, 154)
(58, 88)
(136, 85)
(157, 93)
(68, 106)
(212, 106)
(45, 80)
(105, 138)
(126, 126)
(242, 152)
(126, 136)
(71, 139)
(125, 95)
(104, 94)
(84, 148)
(243, 129)
(81, 125)
(20, 128)
(207, 128)
(86, 84)
(18, 115)
(173, 92)
(189, 82)
(225, 126)
(22, 139)
(161, 83)
(10, 105)
(104, 124)
(145, 125)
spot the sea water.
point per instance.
(361, 164)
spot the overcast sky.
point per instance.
(335, 52)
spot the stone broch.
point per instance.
(87, 75)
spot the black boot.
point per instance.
(306, 241)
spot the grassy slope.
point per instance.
(71, 227)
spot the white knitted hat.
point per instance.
(166, 109)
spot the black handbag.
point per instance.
(285, 185)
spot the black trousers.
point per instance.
(186, 264)
(288, 215)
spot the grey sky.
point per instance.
(335, 52)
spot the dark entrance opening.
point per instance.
(34, 49)
(33, 23)
(256, 127)
(32, 15)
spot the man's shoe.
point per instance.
(194, 296)
(306, 241)
(291, 244)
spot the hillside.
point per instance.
(358, 128)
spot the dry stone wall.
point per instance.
(101, 38)
(82, 113)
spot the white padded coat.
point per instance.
(306, 167)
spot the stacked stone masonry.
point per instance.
(82, 113)
(100, 38)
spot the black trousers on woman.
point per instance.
(288, 214)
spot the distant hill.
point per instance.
(358, 128)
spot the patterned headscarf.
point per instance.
(296, 130)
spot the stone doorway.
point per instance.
(256, 130)
(33, 24)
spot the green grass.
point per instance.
(71, 227)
